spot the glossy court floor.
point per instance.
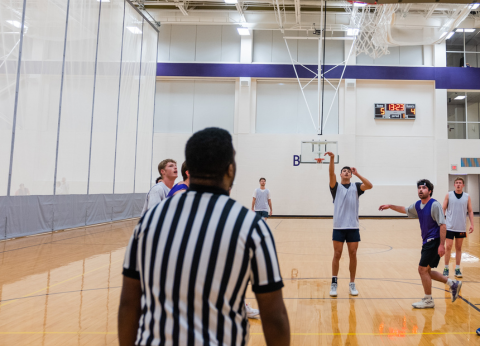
(63, 288)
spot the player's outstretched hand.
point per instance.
(329, 153)
(441, 250)
(354, 171)
(384, 207)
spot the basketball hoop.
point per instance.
(319, 159)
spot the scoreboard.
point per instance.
(395, 111)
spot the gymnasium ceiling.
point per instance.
(301, 14)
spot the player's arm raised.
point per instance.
(397, 208)
(445, 205)
(366, 184)
(331, 169)
(470, 214)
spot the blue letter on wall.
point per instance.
(296, 160)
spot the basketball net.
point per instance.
(375, 22)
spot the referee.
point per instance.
(191, 257)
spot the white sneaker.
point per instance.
(333, 290)
(252, 313)
(424, 304)
(353, 289)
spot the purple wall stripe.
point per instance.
(444, 77)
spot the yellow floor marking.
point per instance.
(59, 283)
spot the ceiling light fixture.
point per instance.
(450, 35)
(134, 30)
(466, 30)
(243, 31)
(359, 4)
(474, 6)
(231, 1)
(459, 98)
(352, 32)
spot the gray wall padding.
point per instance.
(27, 215)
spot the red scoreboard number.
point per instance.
(396, 107)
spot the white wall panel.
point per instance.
(106, 97)
(164, 37)
(277, 107)
(307, 50)
(183, 39)
(214, 105)
(411, 55)
(281, 108)
(174, 106)
(334, 52)
(262, 46)
(39, 97)
(9, 50)
(208, 47)
(77, 97)
(128, 108)
(279, 48)
(230, 44)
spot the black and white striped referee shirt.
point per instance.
(194, 254)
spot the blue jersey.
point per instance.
(430, 228)
(176, 188)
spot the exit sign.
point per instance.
(454, 167)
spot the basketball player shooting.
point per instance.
(432, 223)
(345, 219)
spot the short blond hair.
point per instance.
(163, 164)
(460, 178)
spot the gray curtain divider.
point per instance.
(27, 215)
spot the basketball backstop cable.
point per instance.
(322, 74)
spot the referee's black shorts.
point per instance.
(430, 255)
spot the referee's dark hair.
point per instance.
(427, 183)
(209, 153)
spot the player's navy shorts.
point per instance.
(430, 255)
(262, 213)
(346, 235)
(453, 234)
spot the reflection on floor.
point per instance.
(63, 288)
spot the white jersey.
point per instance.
(156, 194)
(261, 199)
(345, 211)
(457, 212)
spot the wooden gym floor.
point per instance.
(63, 288)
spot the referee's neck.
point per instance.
(204, 185)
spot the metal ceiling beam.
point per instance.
(239, 7)
(430, 11)
(298, 15)
(181, 7)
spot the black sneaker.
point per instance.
(458, 273)
(455, 289)
(446, 272)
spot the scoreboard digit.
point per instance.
(395, 111)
